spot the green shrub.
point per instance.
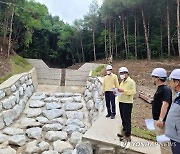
(97, 71)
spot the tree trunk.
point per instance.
(178, 26)
(5, 27)
(148, 24)
(112, 45)
(110, 52)
(79, 55)
(72, 52)
(135, 36)
(82, 49)
(161, 38)
(73, 58)
(125, 41)
(115, 29)
(105, 41)
(127, 36)
(138, 35)
(119, 39)
(10, 33)
(112, 39)
(94, 44)
(146, 36)
(168, 31)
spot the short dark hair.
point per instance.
(176, 79)
(162, 79)
(124, 72)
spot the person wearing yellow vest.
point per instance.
(128, 89)
(110, 82)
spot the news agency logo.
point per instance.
(126, 144)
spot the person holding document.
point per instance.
(161, 104)
(110, 82)
(127, 89)
(172, 126)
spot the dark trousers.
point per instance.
(110, 103)
(125, 112)
(175, 147)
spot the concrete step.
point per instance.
(75, 83)
(38, 63)
(87, 67)
(56, 88)
(49, 75)
(76, 73)
(76, 78)
(49, 81)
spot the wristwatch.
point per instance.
(161, 119)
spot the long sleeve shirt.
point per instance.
(129, 87)
(172, 125)
(110, 82)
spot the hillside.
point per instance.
(14, 65)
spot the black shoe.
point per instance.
(120, 135)
(107, 116)
(125, 139)
(112, 117)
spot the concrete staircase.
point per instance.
(46, 75)
(52, 76)
(87, 67)
(75, 77)
(38, 63)
(79, 77)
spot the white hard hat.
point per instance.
(109, 67)
(159, 72)
(175, 74)
(123, 69)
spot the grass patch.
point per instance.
(98, 70)
(19, 65)
(146, 134)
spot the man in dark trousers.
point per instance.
(161, 104)
(110, 82)
(172, 126)
(128, 89)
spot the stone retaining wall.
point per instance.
(94, 98)
(14, 94)
(49, 120)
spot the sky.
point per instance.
(68, 10)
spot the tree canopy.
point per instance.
(124, 29)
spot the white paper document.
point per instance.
(116, 91)
(150, 124)
(162, 138)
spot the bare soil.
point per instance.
(5, 66)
